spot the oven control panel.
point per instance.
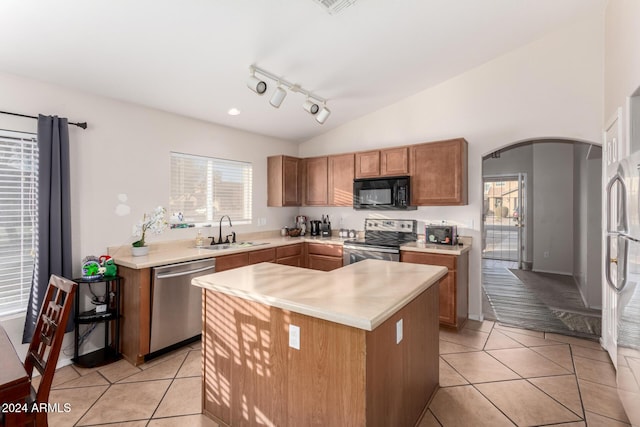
(395, 225)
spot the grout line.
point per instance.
(582, 417)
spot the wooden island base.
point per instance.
(341, 376)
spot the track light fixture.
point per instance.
(311, 104)
(256, 85)
(278, 96)
(323, 115)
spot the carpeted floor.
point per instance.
(538, 301)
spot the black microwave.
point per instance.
(387, 193)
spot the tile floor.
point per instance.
(490, 375)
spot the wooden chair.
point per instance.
(47, 340)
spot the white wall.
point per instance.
(553, 208)
(125, 150)
(552, 87)
(622, 53)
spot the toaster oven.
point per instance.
(441, 234)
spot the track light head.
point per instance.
(310, 106)
(323, 115)
(257, 85)
(277, 97)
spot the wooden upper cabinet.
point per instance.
(340, 179)
(387, 162)
(439, 173)
(315, 171)
(368, 164)
(394, 161)
(284, 183)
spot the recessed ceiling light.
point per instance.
(233, 111)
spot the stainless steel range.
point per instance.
(382, 240)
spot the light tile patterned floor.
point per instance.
(490, 375)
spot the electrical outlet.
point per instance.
(546, 254)
(262, 221)
(101, 308)
(294, 337)
(398, 331)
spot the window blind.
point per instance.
(204, 189)
(18, 218)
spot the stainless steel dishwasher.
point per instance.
(176, 305)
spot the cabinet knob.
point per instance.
(614, 260)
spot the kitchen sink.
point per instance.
(233, 245)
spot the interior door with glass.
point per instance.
(504, 218)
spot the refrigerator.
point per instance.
(621, 296)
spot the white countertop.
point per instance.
(436, 249)
(185, 250)
(361, 295)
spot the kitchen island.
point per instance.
(285, 346)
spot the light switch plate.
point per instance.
(398, 331)
(294, 337)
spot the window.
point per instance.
(18, 218)
(205, 188)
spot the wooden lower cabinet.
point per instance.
(262, 255)
(290, 255)
(227, 262)
(340, 376)
(324, 257)
(454, 287)
(135, 326)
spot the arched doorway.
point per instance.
(541, 236)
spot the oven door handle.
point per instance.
(372, 249)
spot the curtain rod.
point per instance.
(82, 125)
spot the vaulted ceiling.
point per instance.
(192, 57)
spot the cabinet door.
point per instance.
(316, 183)
(394, 161)
(323, 262)
(368, 164)
(284, 181)
(439, 173)
(341, 174)
(448, 300)
(324, 249)
(291, 181)
(227, 262)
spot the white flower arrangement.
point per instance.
(154, 222)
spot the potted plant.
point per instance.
(154, 222)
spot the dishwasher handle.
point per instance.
(185, 273)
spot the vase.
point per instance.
(139, 250)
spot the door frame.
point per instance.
(523, 216)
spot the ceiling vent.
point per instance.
(334, 6)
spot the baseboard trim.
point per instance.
(477, 317)
(563, 273)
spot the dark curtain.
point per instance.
(54, 216)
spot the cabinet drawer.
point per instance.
(323, 249)
(295, 260)
(448, 261)
(227, 262)
(287, 251)
(323, 262)
(262, 255)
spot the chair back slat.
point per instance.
(44, 349)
